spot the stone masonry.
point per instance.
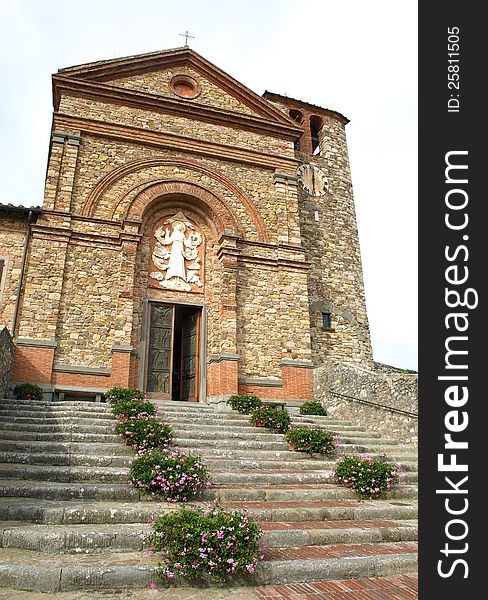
(138, 139)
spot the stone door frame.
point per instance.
(202, 392)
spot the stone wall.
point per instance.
(339, 387)
(12, 239)
(7, 349)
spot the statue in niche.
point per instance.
(174, 250)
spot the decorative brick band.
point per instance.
(82, 370)
(127, 169)
(34, 343)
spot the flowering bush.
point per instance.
(119, 394)
(206, 544)
(142, 432)
(28, 391)
(370, 477)
(313, 408)
(127, 409)
(171, 475)
(311, 440)
(271, 417)
(244, 404)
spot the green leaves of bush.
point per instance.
(144, 433)
(28, 391)
(206, 545)
(311, 440)
(370, 477)
(244, 404)
(119, 394)
(127, 409)
(172, 476)
(313, 408)
(272, 417)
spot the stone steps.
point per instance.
(71, 427)
(64, 473)
(87, 539)
(235, 444)
(60, 459)
(24, 569)
(89, 511)
(70, 521)
(55, 490)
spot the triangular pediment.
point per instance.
(178, 76)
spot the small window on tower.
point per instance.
(3, 273)
(315, 125)
(326, 321)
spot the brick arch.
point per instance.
(114, 176)
(207, 204)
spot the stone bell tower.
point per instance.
(338, 320)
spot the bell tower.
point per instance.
(338, 319)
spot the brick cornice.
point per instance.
(146, 101)
(111, 69)
(175, 142)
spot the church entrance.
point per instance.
(173, 352)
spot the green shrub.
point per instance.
(172, 476)
(143, 434)
(271, 417)
(312, 408)
(211, 545)
(28, 391)
(244, 404)
(370, 477)
(311, 440)
(119, 394)
(127, 409)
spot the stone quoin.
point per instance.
(195, 240)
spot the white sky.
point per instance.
(356, 57)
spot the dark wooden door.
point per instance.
(160, 351)
(190, 341)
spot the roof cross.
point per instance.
(186, 35)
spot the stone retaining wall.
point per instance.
(7, 349)
(393, 390)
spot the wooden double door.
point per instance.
(173, 352)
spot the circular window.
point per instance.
(185, 86)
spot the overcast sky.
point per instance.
(356, 57)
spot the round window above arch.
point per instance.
(185, 86)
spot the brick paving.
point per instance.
(399, 587)
(340, 551)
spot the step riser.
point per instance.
(333, 513)
(61, 474)
(27, 577)
(324, 537)
(37, 411)
(68, 460)
(195, 445)
(121, 493)
(112, 448)
(284, 572)
(81, 515)
(66, 428)
(74, 542)
(77, 514)
(59, 437)
(234, 478)
(270, 495)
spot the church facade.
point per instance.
(195, 239)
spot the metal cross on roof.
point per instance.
(186, 35)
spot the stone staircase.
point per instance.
(68, 519)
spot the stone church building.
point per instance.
(195, 240)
